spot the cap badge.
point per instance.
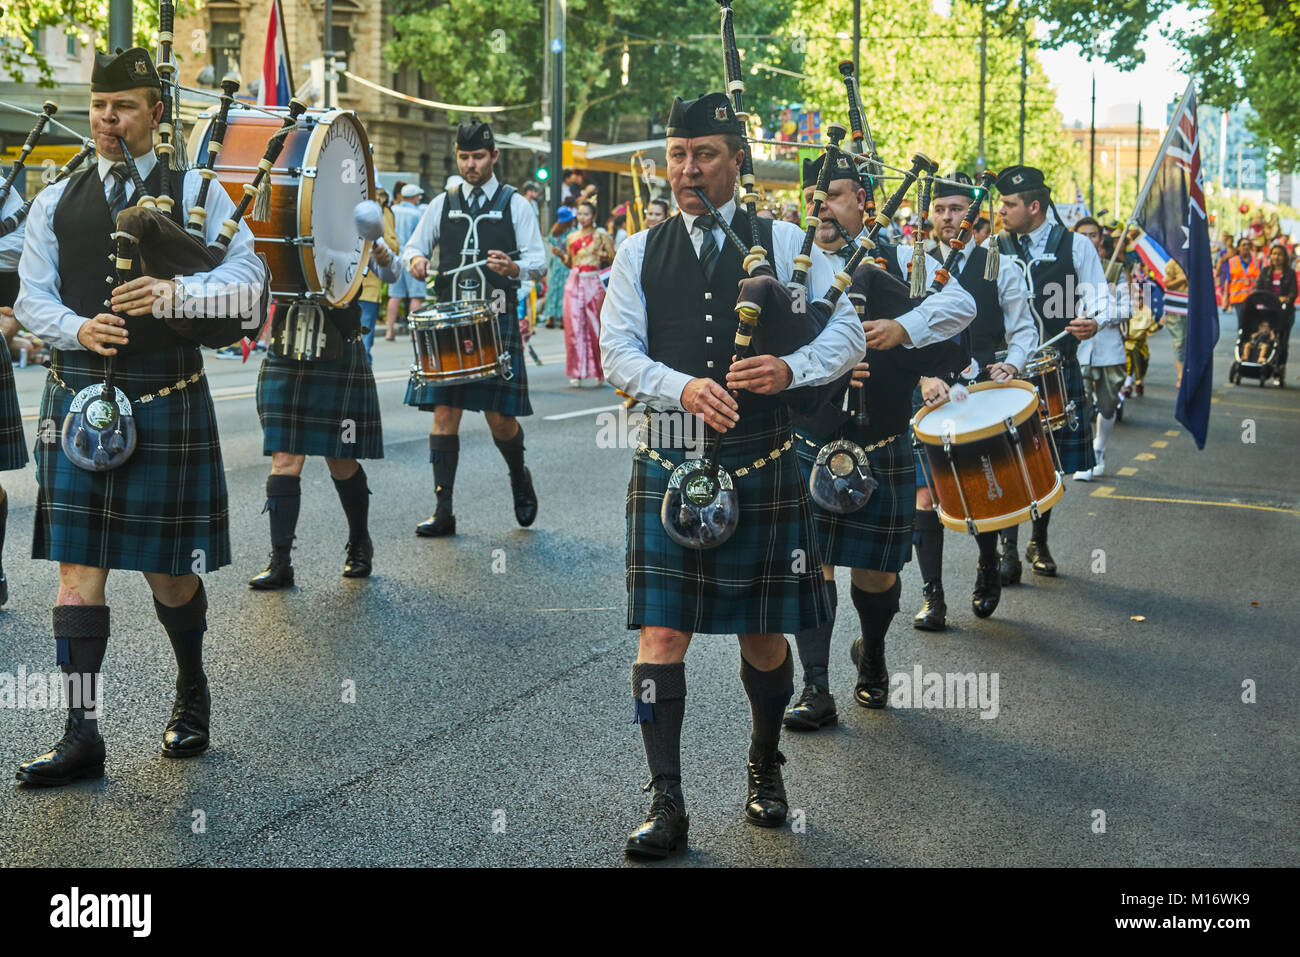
(139, 67)
(1017, 179)
(720, 114)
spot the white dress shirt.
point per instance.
(39, 306)
(11, 246)
(1092, 288)
(940, 316)
(1018, 321)
(624, 340)
(528, 235)
(1106, 348)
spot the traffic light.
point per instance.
(542, 174)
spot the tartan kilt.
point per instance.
(167, 501)
(749, 584)
(918, 452)
(496, 394)
(878, 536)
(1075, 447)
(13, 444)
(304, 405)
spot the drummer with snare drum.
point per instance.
(489, 227)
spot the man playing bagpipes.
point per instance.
(136, 482)
(874, 538)
(1002, 322)
(668, 338)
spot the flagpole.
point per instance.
(1151, 176)
(284, 38)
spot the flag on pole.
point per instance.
(1171, 210)
(276, 87)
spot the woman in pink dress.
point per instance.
(589, 251)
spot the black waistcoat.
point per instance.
(1056, 286)
(691, 321)
(82, 227)
(9, 286)
(988, 330)
(889, 253)
(493, 233)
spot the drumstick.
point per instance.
(513, 254)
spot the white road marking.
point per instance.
(581, 412)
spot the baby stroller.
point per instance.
(1258, 307)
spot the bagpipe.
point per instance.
(15, 219)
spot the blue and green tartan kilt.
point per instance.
(1075, 446)
(878, 536)
(765, 579)
(13, 444)
(165, 509)
(496, 394)
(324, 407)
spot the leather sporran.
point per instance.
(99, 431)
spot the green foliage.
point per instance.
(1108, 30)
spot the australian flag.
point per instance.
(1173, 214)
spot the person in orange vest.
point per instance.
(1240, 274)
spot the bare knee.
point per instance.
(287, 463)
(342, 469)
(446, 420)
(81, 584)
(662, 646)
(172, 590)
(502, 426)
(924, 503)
(873, 581)
(763, 651)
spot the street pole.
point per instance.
(1223, 161)
(1024, 76)
(984, 49)
(1119, 145)
(331, 93)
(1239, 214)
(121, 31)
(1138, 176)
(857, 34)
(1092, 147)
(557, 105)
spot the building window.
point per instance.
(341, 42)
(74, 50)
(225, 41)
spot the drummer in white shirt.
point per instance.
(1102, 359)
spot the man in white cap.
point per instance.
(406, 212)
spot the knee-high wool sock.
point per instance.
(814, 646)
(444, 453)
(283, 501)
(354, 495)
(185, 625)
(769, 693)
(659, 697)
(80, 638)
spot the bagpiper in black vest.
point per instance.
(987, 332)
(494, 232)
(1056, 285)
(691, 321)
(83, 229)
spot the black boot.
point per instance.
(769, 692)
(354, 495)
(444, 454)
(4, 521)
(358, 562)
(1009, 567)
(1036, 552)
(278, 574)
(933, 615)
(814, 709)
(666, 825)
(875, 610)
(81, 636)
(816, 706)
(521, 480)
(988, 589)
(283, 501)
(186, 733)
(766, 804)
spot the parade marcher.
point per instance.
(327, 407)
(406, 288)
(1239, 275)
(874, 542)
(13, 444)
(1147, 311)
(1068, 293)
(668, 340)
(504, 222)
(588, 251)
(162, 511)
(1279, 278)
(1103, 360)
(1002, 321)
(557, 269)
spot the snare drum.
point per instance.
(456, 342)
(311, 241)
(1044, 371)
(989, 459)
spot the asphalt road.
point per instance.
(491, 722)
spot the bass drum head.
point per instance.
(339, 150)
(982, 414)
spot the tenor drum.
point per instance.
(310, 241)
(989, 459)
(456, 342)
(1044, 371)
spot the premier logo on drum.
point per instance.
(946, 691)
(994, 489)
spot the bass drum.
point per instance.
(324, 170)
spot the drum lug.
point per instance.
(503, 362)
(970, 525)
(1034, 513)
(1012, 433)
(309, 172)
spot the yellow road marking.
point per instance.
(1144, 457)
(1128, 470)
(1160, 444)
(1173, 433)
(1269, 408)
(1108, 491)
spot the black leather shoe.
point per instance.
(442, 523)
(1010, 565)
(525, 498)
(766, 805)
(358, 563)
(278, 574)
(1041, 559)
(814, 709)
(933, 615)
(4, 586)
(872, 689)
(79, 754)
(187, 731)
(665, 827)
(988, 590)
